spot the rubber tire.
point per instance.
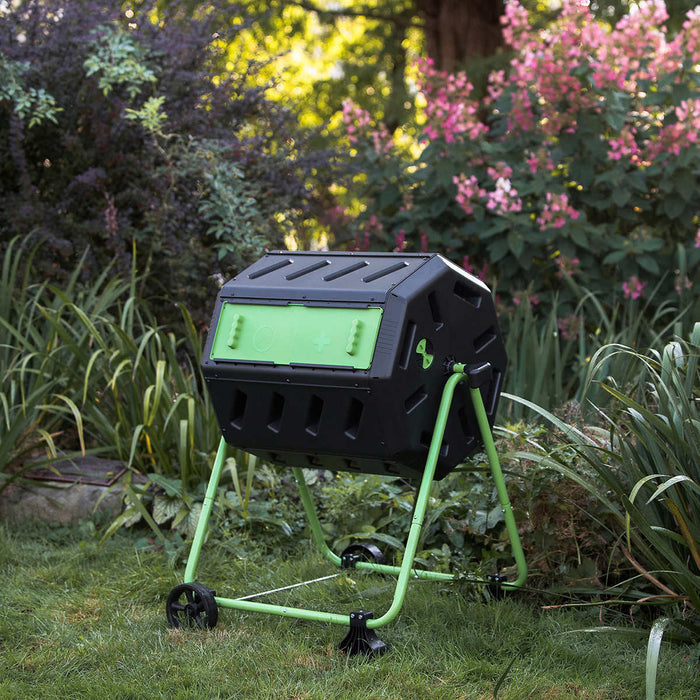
(367, 551)
(192, 605)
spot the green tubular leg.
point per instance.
(508, 516)
(203, 521)
(421, 504)
(314, 524)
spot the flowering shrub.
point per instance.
(582, 161)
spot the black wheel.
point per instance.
(361, 551)
(192, 605)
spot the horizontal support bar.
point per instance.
(283, 610)
(396, 570)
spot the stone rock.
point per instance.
(76, 490)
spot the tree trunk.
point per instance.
(456, 30)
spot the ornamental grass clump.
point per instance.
(643, 465)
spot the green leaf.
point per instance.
(165, 508)
(673, 206)
(614, 257)
(685, 184)
(499, 249)
(648, 263)
(516, 243)
(388, 197)
(621, 196)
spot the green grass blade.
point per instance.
(653, 651)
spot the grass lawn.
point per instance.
(79, 620)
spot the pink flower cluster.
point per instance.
(556, 211)
(450, 111)
(569, 327)
(372, 227)
(633, 288)
(566, 266)
(567, 67)
(468, 267)
(624, 145)
(683, 133)
(358, 123)
(525, 296)
(468, 191)
(503, 198)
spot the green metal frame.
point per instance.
(404, 572)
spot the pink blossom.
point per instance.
(468, 191)
(468, 267)
(556, 211)
(569, 327)
(633, 288)
(524, 295)
(566, 266)
(683, 284)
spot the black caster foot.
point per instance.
(360, 640)
(192, 605)
(361, 551)
(494, 587)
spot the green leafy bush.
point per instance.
(123, 126)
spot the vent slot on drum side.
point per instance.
(494, 392)
(408, 340)
(435, 310)
(238, 405)
(483, 340)
(313, 416)
(469, 295)
(426, 438)
(274, 420)
(415, 399)
(352, 423)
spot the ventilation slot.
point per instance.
(271, 268)
(494, 392)
(306, 270)
(408, 340)
(435, 310)
(415, 399)
(351, 465)
(482, 341)
(467, 294)
(345, 271)
(391, 468)
(425, 439)
(313, 417)
(274, 419)
(353, 420)
(238, 409)
(386, 271)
